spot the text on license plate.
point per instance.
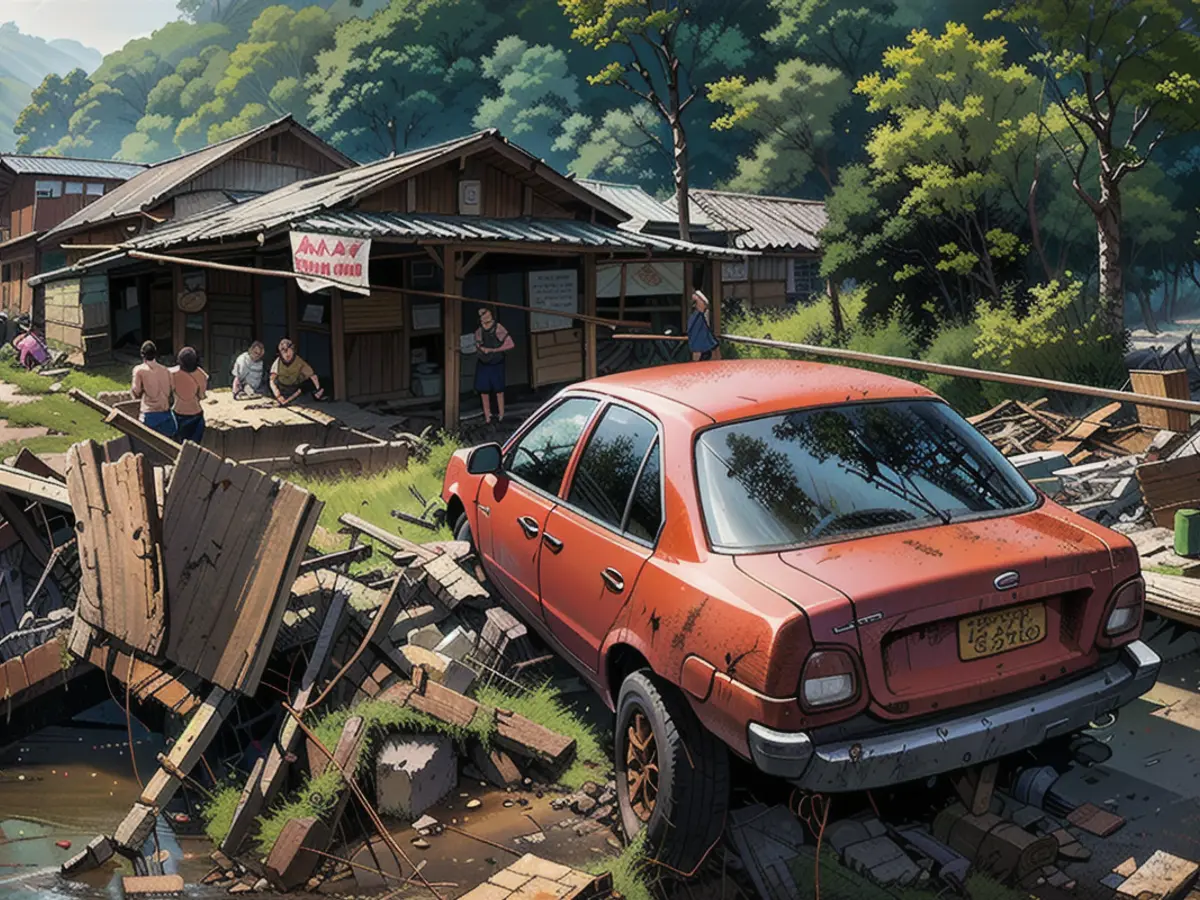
(1000, 631)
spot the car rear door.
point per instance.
(514, 503)
(598, 538)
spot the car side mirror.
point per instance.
(486, 459)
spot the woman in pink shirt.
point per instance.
(190, 382)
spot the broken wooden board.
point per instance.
(975, 787)
(32, 487)
(1160, 877)
(265, 782)
(157, 885)
(1173, 597)
(233, 540)
(119, 533)
(292, 860)
(451, 583)
(175, 691)
(28, 461)
(1170, 485)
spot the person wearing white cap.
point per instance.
(701, 341)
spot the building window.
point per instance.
(74, 187)
(95, 190)
(806, 280)
(47, 189)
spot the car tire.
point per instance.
(675, 785)
(462, 530)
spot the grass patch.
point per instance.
(70, 421)
(1165, 570)
(218, 812)
(545, 706)
(629, 870)
(373, 498)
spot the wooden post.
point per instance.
(451, 331)
(718, 291)
(621, 301)
(688, 288)
(178, 316)
(337, 338)
(589, 309)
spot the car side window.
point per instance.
(608, 468)
(645, 506)
(540, 457)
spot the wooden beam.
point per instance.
(161, 445)
(31, 487)
(16, 517)
(452, 319)
(465, 268)
(590, 360)
(178, 316)
(621, 298)
(434, 254)
(410, 194)
(337, 338)
(357, 553)
(688, 288)
(527, 201)
(715, 301)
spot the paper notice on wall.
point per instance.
(330, 261)
(554, 290)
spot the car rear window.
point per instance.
(822, 474)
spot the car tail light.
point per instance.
(1125, 608)
(829, 679)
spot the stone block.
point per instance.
(845, 833)
(414, 773)
(427, 636)
(883, 861)
(457, 644)
(458, 676)
(418, 617)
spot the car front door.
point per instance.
(514, 503)
(596, 541)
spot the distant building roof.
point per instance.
(765, 223)
(642, 208)
(66, 167)
(155, 183)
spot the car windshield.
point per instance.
(821, 474)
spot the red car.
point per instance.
(824, 570)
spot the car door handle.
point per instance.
(613, 580)
(553, 544)
(529, 526)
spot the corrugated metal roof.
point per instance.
(278, 209)
(640, 205)
(66, 167)
(568, 232)
(151, 186)
(765, 223)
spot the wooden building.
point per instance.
(476, 218)
(37, 193)
(94, 315)
(782, 232)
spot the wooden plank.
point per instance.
(234, 540)
(1160, 877)
(120, 546)
(1170, 383)
(139, 885)
(31, 487)
(1095, 820)
(528, 739)
(357, 553)
(1173, 597)
(27, 461)
(292, 861)
(14, 514)
(262, 789)
(452, 322)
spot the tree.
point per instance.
(47, 118)
(624, 146)
(1122, 75)
(403, 77)
(792, 116)
(151, 141)
(958, 143)
(537, 94)
(665, 49)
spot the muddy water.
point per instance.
(68, 784)
(72, 782)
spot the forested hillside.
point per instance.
(24, 62)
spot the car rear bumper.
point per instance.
(950, 743)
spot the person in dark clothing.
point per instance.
(492, 341)
(701, 341)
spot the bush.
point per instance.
(954, 345)
(1061, 336)
(805, 324)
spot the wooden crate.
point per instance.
(1173, 384)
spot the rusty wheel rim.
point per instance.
(641, 766)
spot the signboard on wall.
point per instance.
(734, 271)
(642, 279)
(331, 261)
(553, 289)
(194, 296)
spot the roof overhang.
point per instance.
(101, 262)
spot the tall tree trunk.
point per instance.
(835, 303)
(1108, 231)
(679, 144)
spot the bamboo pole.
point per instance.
(384, 289)
(1045, 384)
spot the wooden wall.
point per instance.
(64, 314)
(436, 192)
(265, 165)
(557, 357)
(376, 346)
(16, 296)
(230, 312)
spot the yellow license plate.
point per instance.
(988, 634)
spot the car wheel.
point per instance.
(462, 530)
(672, 774)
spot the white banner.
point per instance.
(331, 261)
(641, 280)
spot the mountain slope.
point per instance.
(24, 61)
